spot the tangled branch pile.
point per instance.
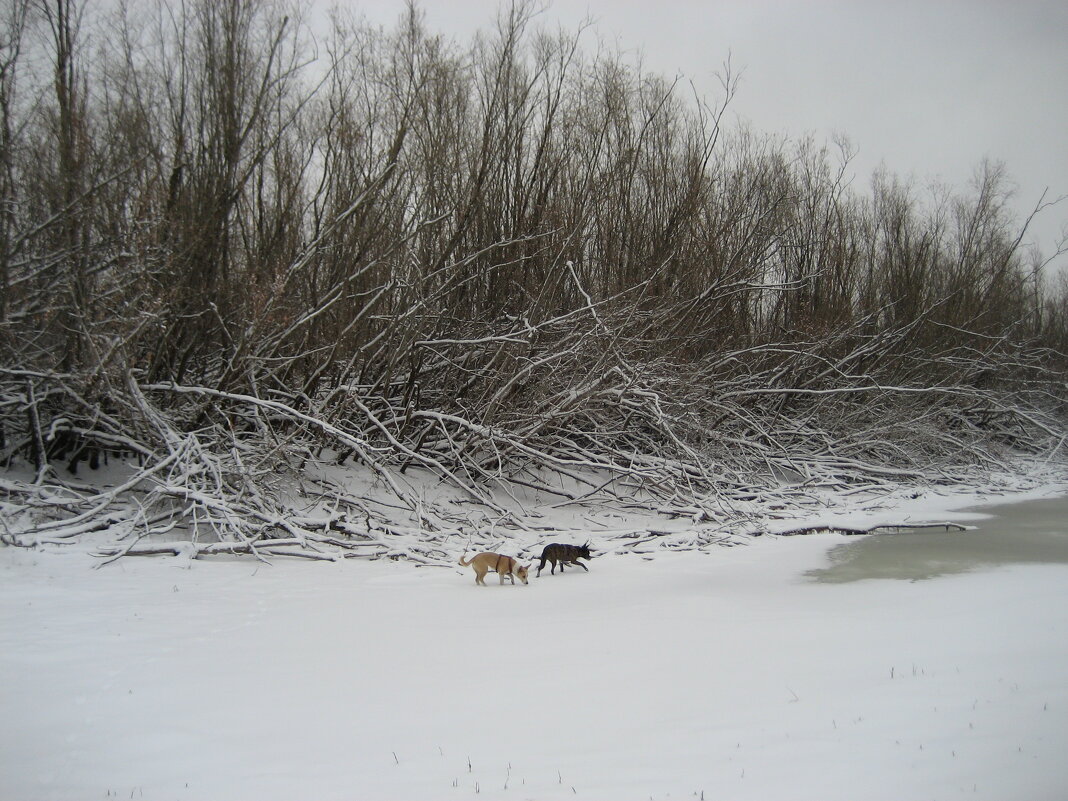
(510, 266)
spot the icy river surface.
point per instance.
(1031, 533)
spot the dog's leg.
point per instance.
(577, 562)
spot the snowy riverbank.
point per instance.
(723, 673)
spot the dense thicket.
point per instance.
(235, 248)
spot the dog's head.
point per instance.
(521, 571)
(584, 551)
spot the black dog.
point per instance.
(565, 555)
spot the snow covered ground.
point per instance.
(718, 674)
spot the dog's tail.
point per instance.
(462, 562)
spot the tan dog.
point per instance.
(501, 565)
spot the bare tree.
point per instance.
(504, 263)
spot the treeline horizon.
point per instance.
(430, 244)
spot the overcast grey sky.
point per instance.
(928, 87)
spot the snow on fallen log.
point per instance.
(883, 528)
